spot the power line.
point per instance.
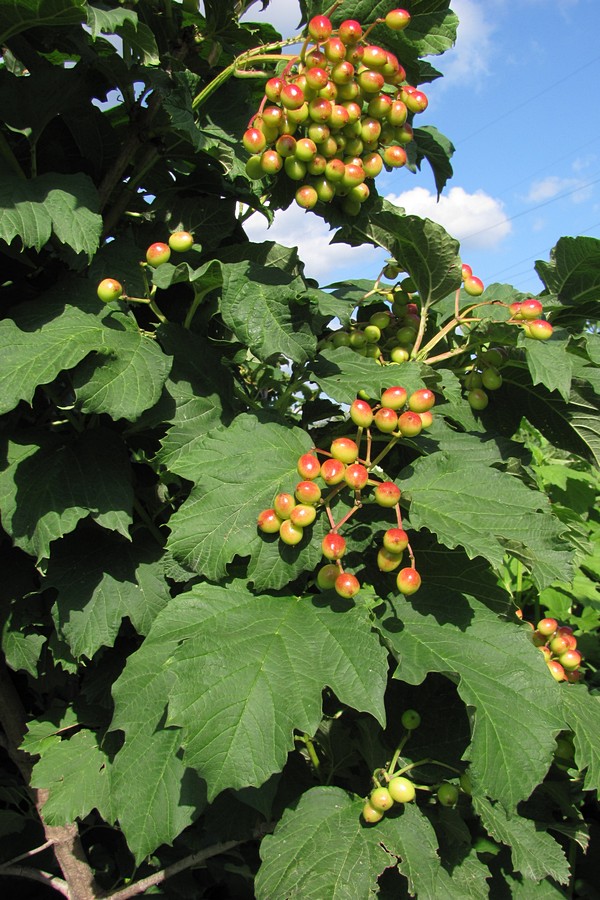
(535, 256)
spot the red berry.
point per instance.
(356, 476)
(387, 494)
(344, 449)
(254, 140)
(408, 581)
(350, 31)
(395, 540)
(332, 471)
(394, 156)
(347, 585)
(421, 401)
(291, 97)
(273, 88)
(268, 521)
(531, 309)
(283, 505)
(157, 254)
(320, 28)
(109, 290)
(309, 466)
(394, 397)
(307, 492)
(303, 515)
(361, 413)
(547, 626)
(410, 424)
(473, 286)
(540, 330)
(333, 545)
(386, 420)
(466, 271)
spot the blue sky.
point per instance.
(520, 102)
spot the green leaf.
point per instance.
(21, 649)
(108, 21)
(261, 306)
(42, 340)
(535, 854)
(341, 374)
(494, 515)
(75, 773)
(238, 471)
(581, 710)
(125, 376)
(240, 700)
(421, 247)
(435, 147)
(550, 362)
(19, 15)
(63, 205)
(50, 484)
(100, 580)
(443, 632)
(573, 274)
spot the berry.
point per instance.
(473, 286)
(408, 581)
(344, 449)
(254, 141)
(397, 19)
(540, 330)
(180, 241)
(347, 585)
(350, 31)
(268, 521)
(386, 420)
(371, 815)
(308, 466)
(320, 28)
(559, 644)
(303, 514)
(395, 540)
(332, 471)
(547, 626)
(466, 271)
(283, 505)
(333, 545)
(465, 784)
(426, 419)
(326, 576)
(515, 309)
(447, 794)
(531, 309)
(307, 492)
(271, 162)
(387, 494)
(356, 476)
(361, 413)
(410, 424)
(401, 789)
(381, 799)
(491, 379)
(388, 561)
(292, 97)
(421, 401)
(290, 533)
(157, 254)
(478, 399)
(394, 397)
(109, 290)
(394, 156)
(556, 670)
(306, 196)
(570, 659)
(410, 719)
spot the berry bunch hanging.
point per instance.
(397, 415)
(559, 646)
(338, 114)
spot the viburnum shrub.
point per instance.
(270, 549)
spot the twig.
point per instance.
(36, 875)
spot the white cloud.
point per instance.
(471, 55)
(477, 219)
(293, 227)
(553, 186)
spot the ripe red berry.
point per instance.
(344, 449)
(531, 309)
(333, 545)
(350, 31)
(421, 401)
(307, 492)
(473, 286)
(332, 471)
(356, 476)
(386, 420)
(539, 330)
(395, 540)
(157, 254)
(308, 466)
(347, 585)
(394, 397)
(410, 424)
(320, 28)
(109, 289)
(547, 626)
(387, 494)
(408, 581)
(268, 521)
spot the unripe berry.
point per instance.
(416, 101)
(273, 88)
(394, 397)
(387, 561)
(332, 471)
(426, 419)
(386, 420)
(531, 309)
(410, 719)
(547, 626)
(478, 399)
(109, 289)
(410, 424)
(491, 379)
(308, 466)
(268, 521)
(394, 156)
(447, 794)
(402, 789)
(381, 799)
(395, 540)
(157, 254)
(283, 505)
(371, 815)
(408, 581)
(387, 494)
(303, 515)
(356, 476)
(271, 162)
(473, 286)
(326, 576)
(361, 413)
(539, 330)
(290, 533)
(397, 19)
(180, 241)
(254, 140)
(333, 545)
(466, 271)
(306, 196)
(347, 585)
(570, 659)
(334, 49)
(422, 400)
(307, 492)
(292, 97)
(350, 31)
(556, 670)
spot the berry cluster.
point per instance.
(559, 646)
(156, 255)
(342, 468)
(484, 375)
(527, 314)
(336, 116)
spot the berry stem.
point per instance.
(357, 505)
(391, 443)
(421, 331)
(312, 753)
(198, 298)
(428, 762)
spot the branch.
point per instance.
(35, 875)
(195, 859)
